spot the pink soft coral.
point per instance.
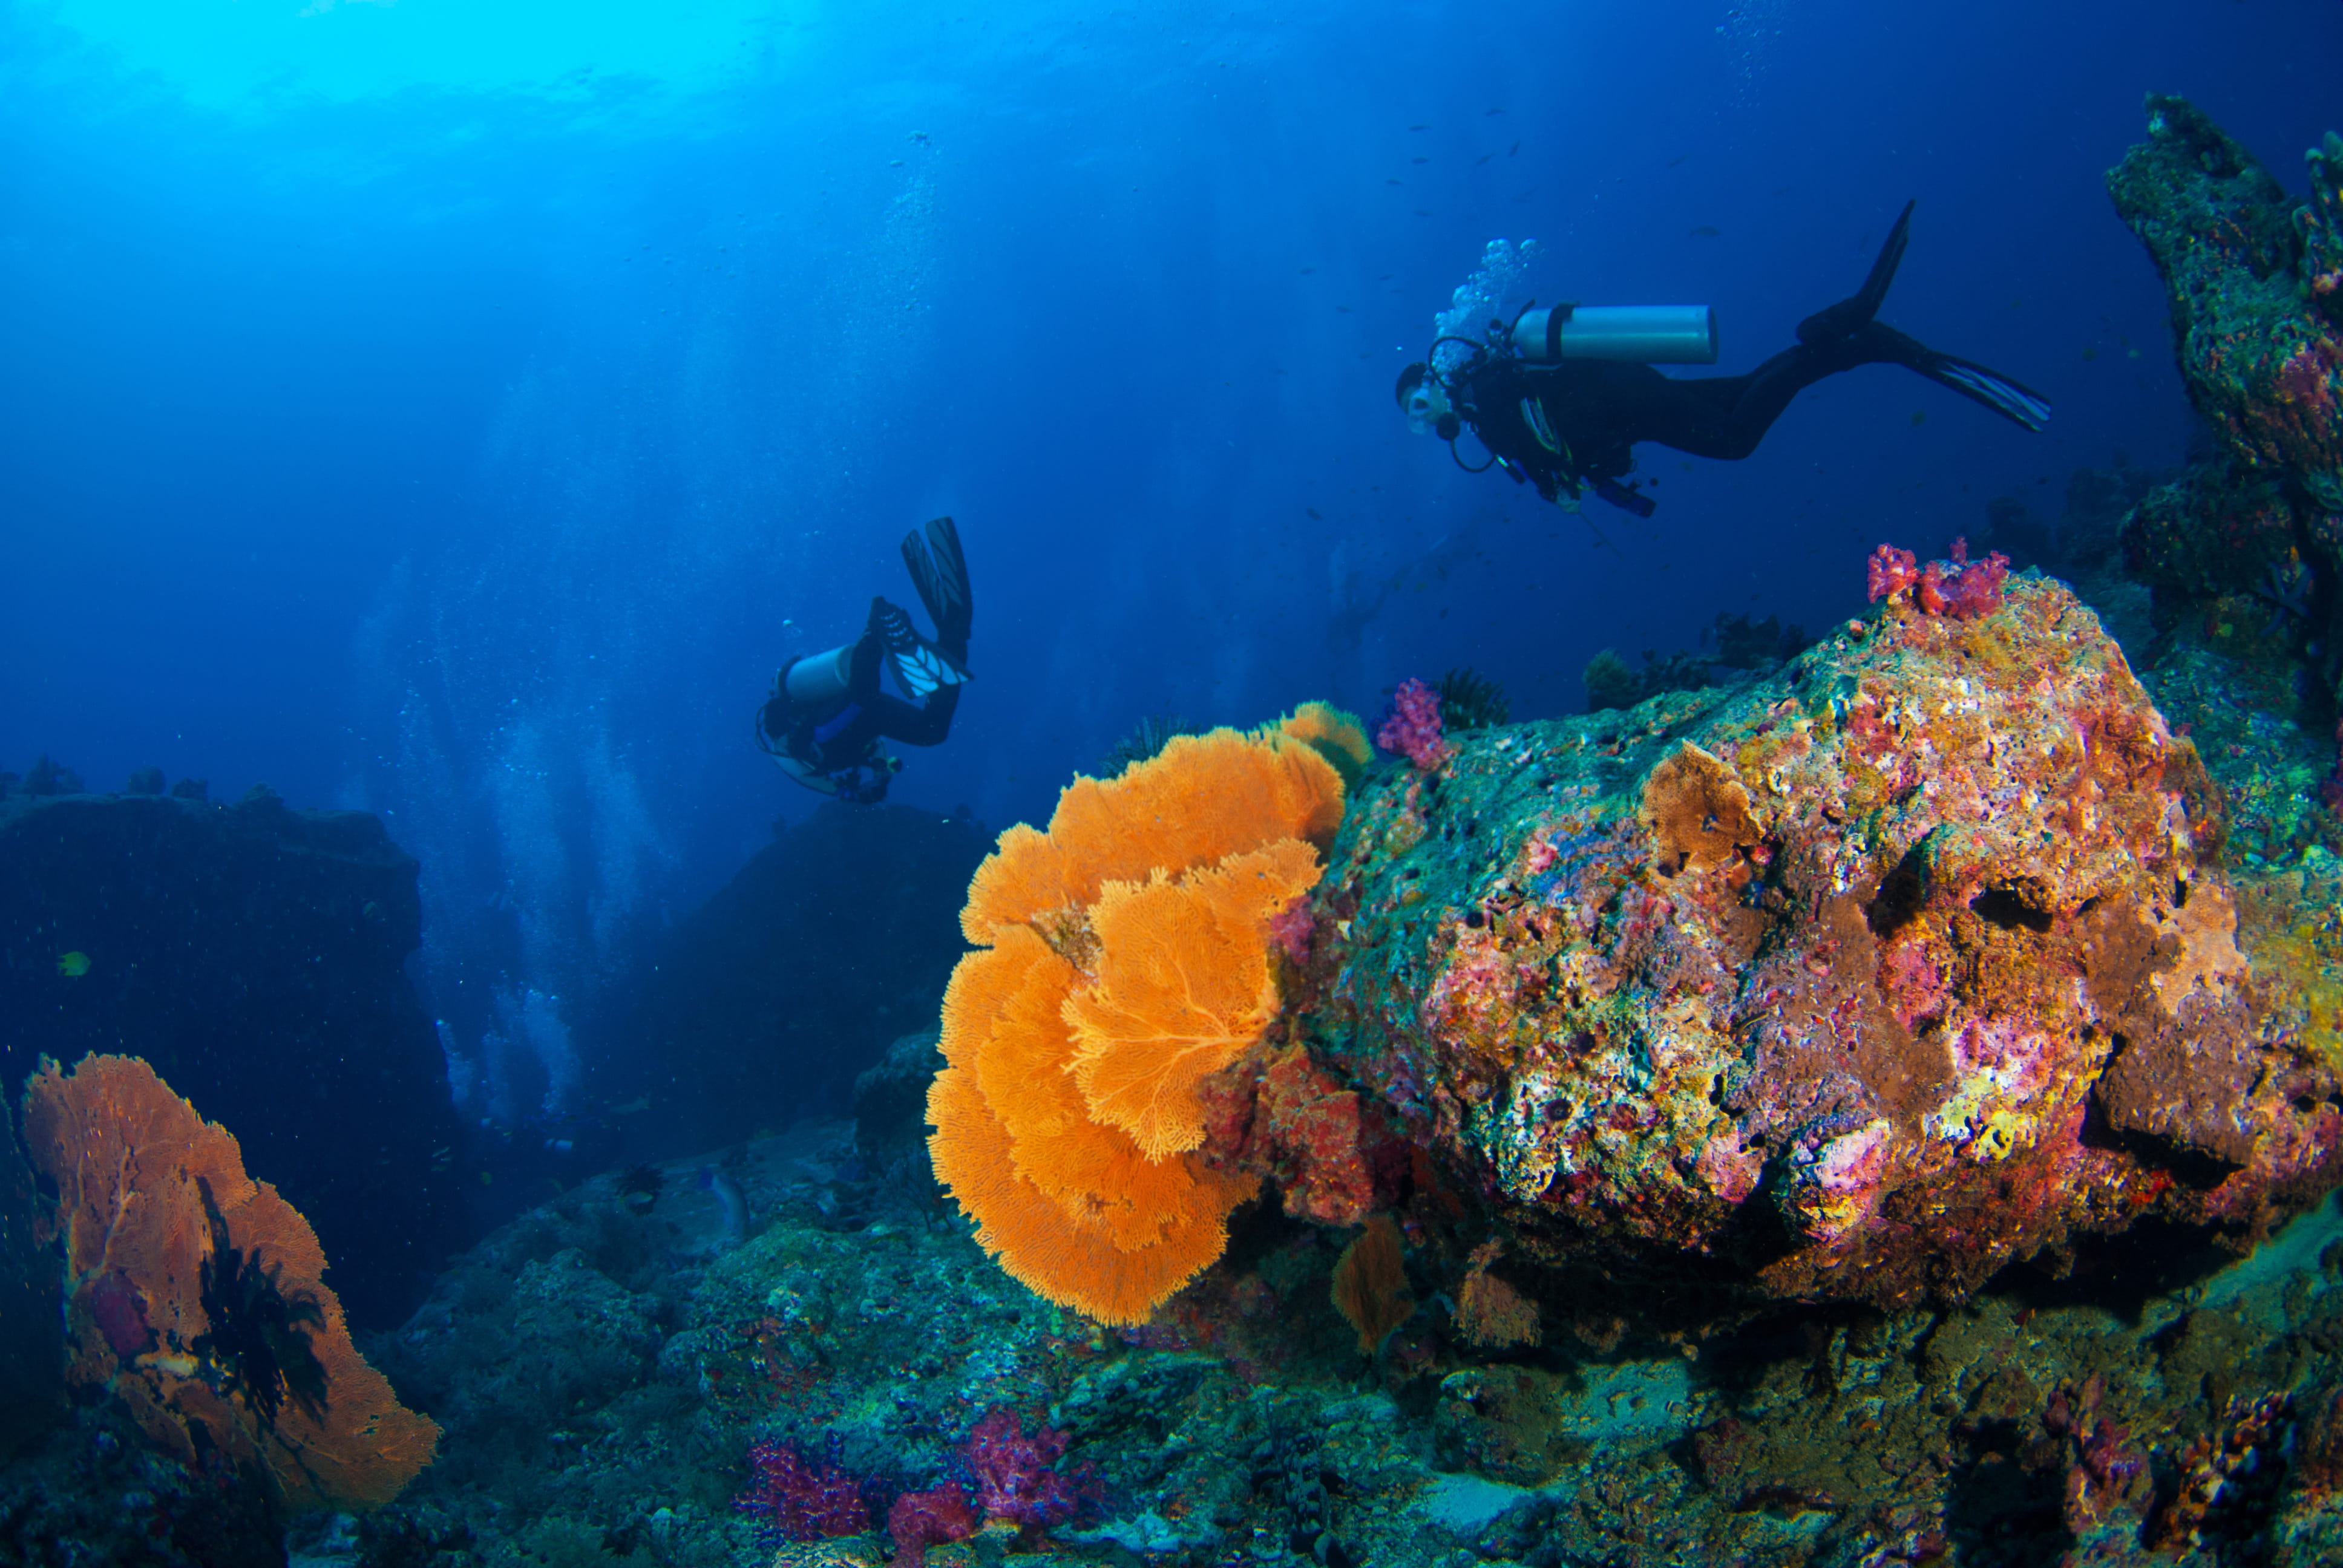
(1958, 589)
(1412, 727)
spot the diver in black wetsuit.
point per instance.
(826, 716)
(1568, 424)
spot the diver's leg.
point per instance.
(926, 725)
(1724, 417)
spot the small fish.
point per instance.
(1678, 159)
(1708, 231)
(1483, 158)
(1919, 417)
(1512, 150)
(1307, 270)
(74, 965)
(1313, 514)
(1419, 127)
(1391, 182)
(2091, 351)
(1418, 160)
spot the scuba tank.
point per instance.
(1638, 334)
(821, 677)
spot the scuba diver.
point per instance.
(826, 717)
(1561, 397)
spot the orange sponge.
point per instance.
(161, 1229)
(1126, 958)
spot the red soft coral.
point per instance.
(920, 1519)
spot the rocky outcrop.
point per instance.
(1857, 982)
(255, 955)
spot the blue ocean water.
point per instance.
(457, 412)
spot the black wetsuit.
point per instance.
(1595, 411)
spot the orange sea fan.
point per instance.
(1124, 959)
(1335, 735)
(1183, 987)
(154, 1206)
(1200, 800)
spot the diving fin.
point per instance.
(1851, 314)
(939, 572)
(2017, 403)
(920, 667)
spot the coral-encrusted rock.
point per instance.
(1857, 982)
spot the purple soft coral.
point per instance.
(1412, 727)
(800, 1501)
(1014, 1479)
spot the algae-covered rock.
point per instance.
(1855, 982)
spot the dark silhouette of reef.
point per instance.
(256, 956)
(765, 1003)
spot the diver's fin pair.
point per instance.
(1851, 314)
(921, 668)
(939, 572)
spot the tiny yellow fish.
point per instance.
(74, 965)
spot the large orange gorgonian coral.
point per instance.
(1124, 958)
(193, 1293)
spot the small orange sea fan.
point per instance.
(154, 1206)
(1124, 960)
(1335, 735)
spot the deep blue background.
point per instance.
(442, 410)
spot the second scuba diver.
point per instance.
(1561, 397)
(826, 717)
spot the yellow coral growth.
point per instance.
(152, 1202)
(1124, 959)
(1335, 735)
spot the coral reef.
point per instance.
(1124, 958)
(194, 1294)
(2256, 348)
(2245, 552)
(1858, 982)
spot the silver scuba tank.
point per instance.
(1638, 334)
(820, 676)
